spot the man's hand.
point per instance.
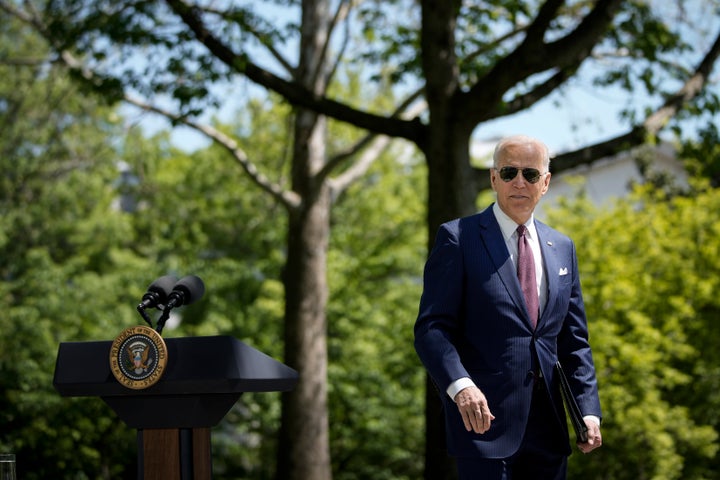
(594, 437)
(474, 410)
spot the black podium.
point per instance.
(203, 379)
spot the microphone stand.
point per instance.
(163, 318)
(144, 315)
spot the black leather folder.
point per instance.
(571, 405)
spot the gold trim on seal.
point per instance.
(138, 357)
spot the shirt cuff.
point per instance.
(459, 384)
(592, 418)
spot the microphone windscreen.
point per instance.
(192, 288)
(162, 287)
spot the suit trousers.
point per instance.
(540, 456)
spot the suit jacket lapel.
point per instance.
(495, 244)
(551, 264)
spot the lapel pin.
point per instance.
(549, 244)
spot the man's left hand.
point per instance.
(594, 437)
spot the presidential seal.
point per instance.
(138, 357)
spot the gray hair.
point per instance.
(521, 140)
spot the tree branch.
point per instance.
(652, 125)
(533, 56)
(691, 89)
(294, 93)
(287, 198)
(537, 29)
(490, 46)
(371, 151)
(639, 134)
(372, 146)
(591, 153)
(257, 34)
(572, 49)
(342, 12)
(527, 100)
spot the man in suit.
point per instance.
(490, 346)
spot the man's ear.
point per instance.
(546, 182)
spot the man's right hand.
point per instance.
(474, 410)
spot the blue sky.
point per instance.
(581, 117)
(584, 115)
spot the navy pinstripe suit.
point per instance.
(473, 322)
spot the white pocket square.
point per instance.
(563, 271)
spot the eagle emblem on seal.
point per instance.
(139, 354)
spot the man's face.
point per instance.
(518, 197)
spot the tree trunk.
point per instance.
(451, 181)
(304, 446)
(304, 451)
(448, 197)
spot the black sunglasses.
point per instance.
(532, 175)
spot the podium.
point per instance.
(202, 380)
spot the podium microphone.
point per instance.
(156, 295)
(158, 292)
(186, 291)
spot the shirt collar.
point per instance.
(508, 225)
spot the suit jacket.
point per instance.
(473, 322)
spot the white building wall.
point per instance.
(609, 178)
(601, 181)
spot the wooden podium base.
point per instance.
(174, 454)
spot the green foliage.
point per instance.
(649, 270)
(58, 238)
(375, 268)
(702, 155)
